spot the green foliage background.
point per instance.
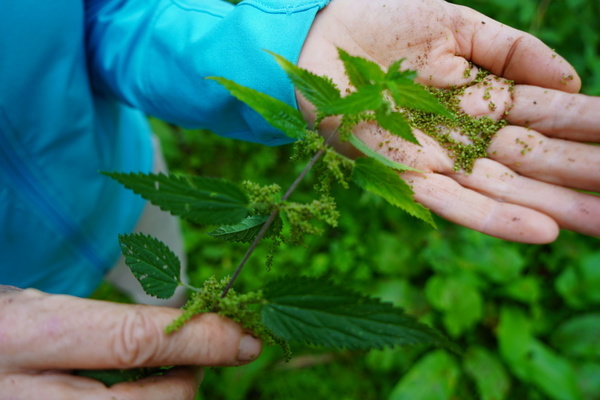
(527, 316)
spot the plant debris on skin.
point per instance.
(478, 131)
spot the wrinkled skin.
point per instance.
(510, 195)
(43, 337)
(513, 196)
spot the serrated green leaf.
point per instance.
(367, 98)
(410, 95)
(201, 200)
(366, 150)
(375, 177)
(152, 263)
(434, 377)
(395, 123)
(277, 113)
(322, 313)
(319, 90)
(394, 72)
(361, 71)
(243, 232)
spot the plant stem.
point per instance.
(274, 214)
(190, 287)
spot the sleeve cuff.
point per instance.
(234, 48)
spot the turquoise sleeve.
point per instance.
(155, 56)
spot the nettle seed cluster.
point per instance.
(478, 132)
(242, 308)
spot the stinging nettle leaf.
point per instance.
(394, 71)
(366, 150)
(277, 113)
(319, 90)
(410, 95)
(322, 313)
(361, 71)
(367, 98)
(152, 263)
(245, 231)
(395, 123)
(375, 177)
(201, 200)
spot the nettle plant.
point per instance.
(296, 308)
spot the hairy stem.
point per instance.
(190, 287)
(261, 234)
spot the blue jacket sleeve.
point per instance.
(155, 54)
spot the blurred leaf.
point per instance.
(434, 377)
(319, 90)
(392, 360)
(373, 176)
(197, 199)
(152, 263)
(460, 302)
(318, 312)
(488, 373)
(553, 374)
(469, 251)
(532, 361)
(495, 259)
(527, 289)
(579, 336)
(277, 113)
(360, 71)
(579, 285)
(243, 232)
(514, 338)
(588, 378)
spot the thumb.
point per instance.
(41, 331)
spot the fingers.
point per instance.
(512, 54)
(466, 207)
(556, 114)
(551, 112)
(558, 161)
(176, 384)
(570, 209)
(63, 332)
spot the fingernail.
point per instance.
(250, 348)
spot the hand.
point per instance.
(514, 196)
(43, 336)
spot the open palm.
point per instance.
(512, 194)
